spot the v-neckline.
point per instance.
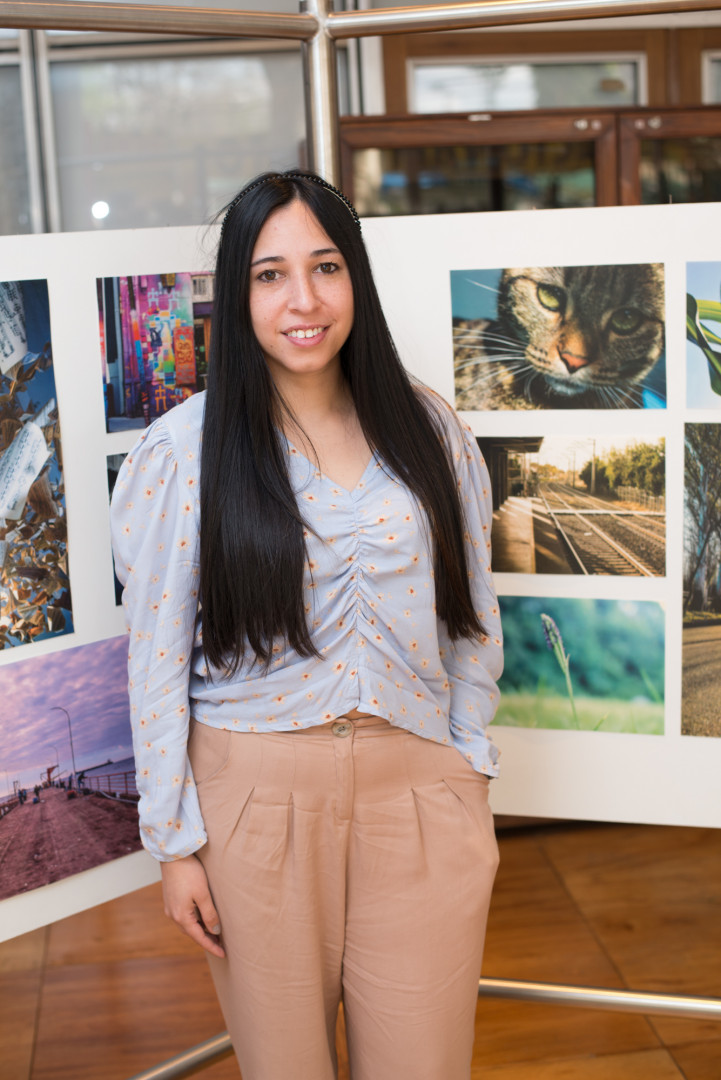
(325, 476)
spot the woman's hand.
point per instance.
(187, 901)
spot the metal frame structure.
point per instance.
(318, 28)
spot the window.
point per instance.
(140, 131)
(542, 82)
(15, 193)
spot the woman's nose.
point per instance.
(302, 295)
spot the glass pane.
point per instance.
(469, 87)
(681, 170)
(167, 141)
(14, 202)
(448, 179)
(714, 82)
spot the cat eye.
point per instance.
(625, 320)
(551, 297)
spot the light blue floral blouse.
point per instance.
(370, 601)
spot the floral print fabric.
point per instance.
(370, 602)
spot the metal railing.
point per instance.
(318, 27)
(198, 1057)
(116, 784)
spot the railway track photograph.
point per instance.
(578, 505)
(68, 800)
(701, 679)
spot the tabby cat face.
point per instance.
(584, 329)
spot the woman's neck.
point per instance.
(316, 403)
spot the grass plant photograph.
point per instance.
(583, 665)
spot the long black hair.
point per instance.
(252, 548)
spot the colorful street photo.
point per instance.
(68, 799)
(35, 601)
(701, 697)
(154, 337)
(559, 337)
(583, 665)
(586, 505)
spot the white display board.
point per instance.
(664, 778)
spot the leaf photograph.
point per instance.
(703, 335)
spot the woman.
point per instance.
(310, 741)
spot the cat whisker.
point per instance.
(481, 285)
(498, 339)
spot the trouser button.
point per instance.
(342, 728)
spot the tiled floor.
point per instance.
(116, 990)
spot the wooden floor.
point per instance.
(117, 990)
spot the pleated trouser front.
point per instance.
(352, 860)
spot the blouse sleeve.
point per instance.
(474, 665)
(155, 543)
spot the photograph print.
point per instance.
(584, 505)
(701, 679)
(703, 335)
(559, 337)
(35, 601)
(582, 665)
(68, 800)
(154, 339)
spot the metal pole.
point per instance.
(188, 1062)
(70, 729)
(510, 989)
(153, 19)
(598, 998)
(321, 95)
(467, 16)
(166, 19)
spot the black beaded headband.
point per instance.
(290, 176)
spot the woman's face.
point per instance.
(301, 297)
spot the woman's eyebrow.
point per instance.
(281, 258)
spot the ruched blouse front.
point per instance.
(370, 603)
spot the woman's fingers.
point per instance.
(188, 903)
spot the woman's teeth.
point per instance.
(305, 333)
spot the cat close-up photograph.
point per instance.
(573, 337)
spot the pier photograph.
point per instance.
(68, 800)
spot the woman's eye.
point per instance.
(268, 275)
(328, 267)
(551, 297)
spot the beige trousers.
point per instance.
(353, 860)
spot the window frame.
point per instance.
(494, 129)
(401, 48)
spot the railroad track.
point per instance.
(603, 539)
